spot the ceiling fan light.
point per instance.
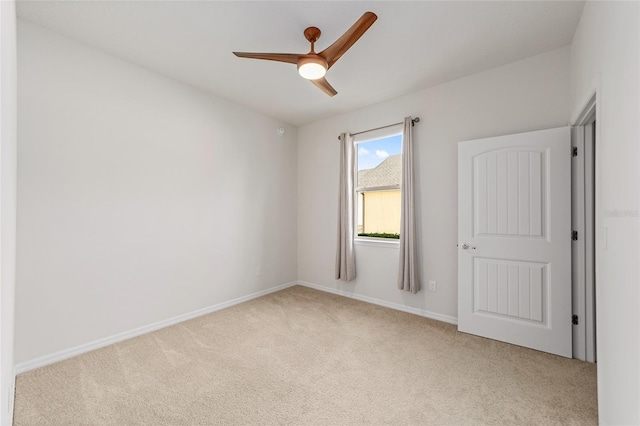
(312, 68)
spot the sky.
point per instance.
(372, 153)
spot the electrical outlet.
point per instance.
(433, 286)
(258, 271)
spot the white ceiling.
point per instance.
(411, 46)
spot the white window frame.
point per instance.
(364, 137)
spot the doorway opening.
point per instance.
(583, 202)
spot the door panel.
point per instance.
(509, 193)
(513, 289)
(514, 277)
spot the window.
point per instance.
(377, 186)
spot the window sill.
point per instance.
(377, 242)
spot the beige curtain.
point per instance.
(345, 254)
(408, 278)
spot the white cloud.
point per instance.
(381, 153)
(363, 151)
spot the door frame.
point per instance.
(585, 334)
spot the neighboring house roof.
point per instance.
(386, 173)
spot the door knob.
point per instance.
(466, 246)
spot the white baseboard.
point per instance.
(96, 344)
(12, 395)
(45, 360)
(396, 306)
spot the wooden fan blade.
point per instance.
(332, 53)
(324, 85)
(291, 58)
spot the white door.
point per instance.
(514, 239)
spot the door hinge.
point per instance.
(574, 151)
(574, 235)
(574, 319)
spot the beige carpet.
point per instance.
(301, 357)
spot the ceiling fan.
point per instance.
(313, 66)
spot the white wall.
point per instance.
(139, 198)
(607, 43)
(526, 95)
(8, 140)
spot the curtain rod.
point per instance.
(413, 123)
